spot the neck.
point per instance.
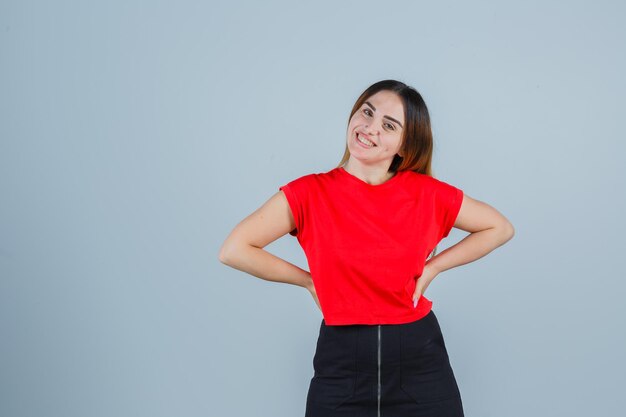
(374, 175)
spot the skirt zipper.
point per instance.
(379, 388)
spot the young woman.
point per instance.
(367, 228)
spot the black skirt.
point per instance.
(386, 370)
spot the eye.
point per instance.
(392, 127)
(367, 111)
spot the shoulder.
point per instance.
(426, 185)
(429, 180)
(420, 179)
(314, 178)
(304, 178)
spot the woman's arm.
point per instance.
(243, 248)
(488, 229)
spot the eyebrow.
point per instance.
(388, 117)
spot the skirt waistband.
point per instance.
(342, 349)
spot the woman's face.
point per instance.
(379, 122)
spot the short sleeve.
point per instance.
(296, 194)
(448, 199)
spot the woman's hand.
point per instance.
(311, 289)
(428, 274)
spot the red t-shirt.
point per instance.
(366, 244)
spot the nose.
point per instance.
(369, 130)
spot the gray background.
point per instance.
(136, 135)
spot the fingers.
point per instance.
(419, 292)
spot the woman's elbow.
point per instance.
(223, 255)
(227, 253)
(507, 231)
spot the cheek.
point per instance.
(357, 118)
(393, 142)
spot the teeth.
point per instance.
(364, 141)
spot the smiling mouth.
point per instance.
(365, 141)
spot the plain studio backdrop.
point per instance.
(135, 135)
